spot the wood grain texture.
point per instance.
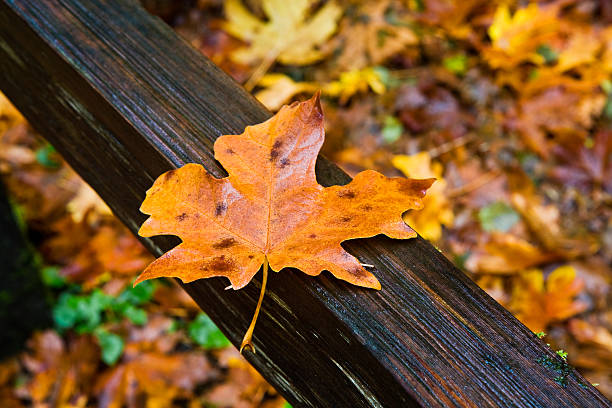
(124, 99)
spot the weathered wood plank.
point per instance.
(124, 99)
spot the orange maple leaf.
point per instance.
(271, 210)
(538, 302)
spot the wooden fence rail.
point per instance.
(124, 99)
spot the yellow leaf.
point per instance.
(581, 49)
(9, 115)
(437, 211)
(538, 302)
(515, 39)
(279, 89)
(355, 81)
(286, 36)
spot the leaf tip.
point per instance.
(316, 102)
(426, 184)
(139, 279)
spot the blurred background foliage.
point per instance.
(507, 103)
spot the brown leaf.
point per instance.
(366, 38)
(61, 372)
(507, 254)
(271, 207)
(545, 118)
(152, 379)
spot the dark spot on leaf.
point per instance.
(251, 256)
(312, 236)
(220, 209)
(224, 243)
(169, 174)
(358, 272)
(230, 151)
(346, 194)
(366, 207)
(284, 163)
(219, 264)
(181, 217)
(346, 219)
(275, 152)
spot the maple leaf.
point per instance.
(286, 36)
(516, 38)
(537, 302)
(271, 210)
(366, 36)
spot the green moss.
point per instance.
(560, 366)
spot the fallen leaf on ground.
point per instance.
(538, 302)
(507, 254)
(287, 36)
(586, 332)
(86, 199)
(516, 38)
(244, 387)
(547, 114)
(437, 211)
(152, 380)
(60, 372)
(9, 115)
(366, 38)
(278, 89)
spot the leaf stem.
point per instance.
(246, 341)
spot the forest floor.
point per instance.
(507, 103)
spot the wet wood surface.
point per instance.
(124, 100)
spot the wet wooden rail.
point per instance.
(124, 99)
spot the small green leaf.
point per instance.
(64, 313)
(137, 295)
(136, 315)
(392, 129)
(174, 326)
(498, 216)
(561, 353)
(44, 156)
(83, 313)
(545, 51)
(457, 64)
(204, 332)
(540, 334)
(51, 277)
(607, 110)
(111, 346)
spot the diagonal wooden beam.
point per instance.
(124, 99)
